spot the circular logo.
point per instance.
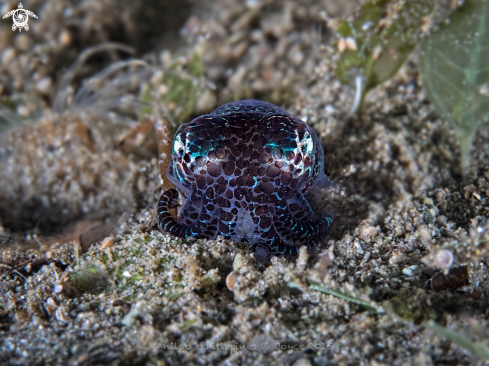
(20, 18)
(265, 346)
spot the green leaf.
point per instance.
(462, 341)
(365, 304)
(454, 64)
(377, 40)
(313, 285)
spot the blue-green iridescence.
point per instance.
(243, 171)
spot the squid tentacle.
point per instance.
(166, 221)
(294, 228)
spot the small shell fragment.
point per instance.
(50, 306)
(443, 259)
(58, 288)
(108, 242)
(348, 43)
(231, 280)
(61, 315)
(64, 285)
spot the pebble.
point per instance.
(43, 85)
(411, 271)
(238, 262)
(442, 219)
(428, 201)
(369, 231)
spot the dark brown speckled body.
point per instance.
(243, 171)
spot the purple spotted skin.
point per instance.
(242, 172)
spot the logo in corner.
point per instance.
(20, 18)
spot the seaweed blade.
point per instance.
(455, 72)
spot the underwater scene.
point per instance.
(244, 182)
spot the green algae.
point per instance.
(89, 277)
(180, 87)
(374, 43)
